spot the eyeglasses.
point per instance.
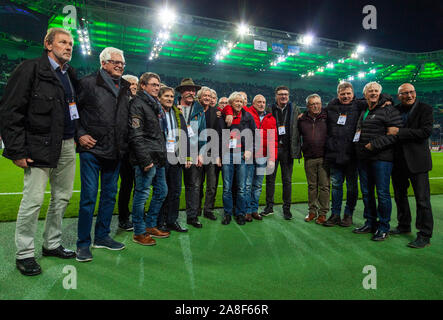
(155, 85)
(407, 93)
(117, 63)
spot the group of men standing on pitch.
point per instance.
(136, 128)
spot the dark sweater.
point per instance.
(313, 131)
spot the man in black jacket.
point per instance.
(147, 147)
(412, 161)
(37, 115)
(210, 169)
(375, 152)
(343, 113)
(289, 149)
(102, 142)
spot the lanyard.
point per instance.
(365, 115)
(285, 111)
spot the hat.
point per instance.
(187, 82)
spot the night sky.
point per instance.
(412, 26)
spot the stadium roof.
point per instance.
(200, 41)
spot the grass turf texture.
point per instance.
(11, 181)
(265, 260)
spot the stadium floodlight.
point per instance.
(373, 71)
(350, 78)
(354, 55)
(330, 65)
(342, 60)
(243, 29)
(360, 48)
(361, 74)
(167, 16)
(307, 39)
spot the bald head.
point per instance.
(407, 94)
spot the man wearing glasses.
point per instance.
(286, 115)
(102, 131)
(412, 162)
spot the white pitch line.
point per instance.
(264, 184)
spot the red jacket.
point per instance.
(265, 126)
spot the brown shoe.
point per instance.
(311, 216)
(320, 220)
(256, 216)
(143, 239)
(248, 217)
(155, 233)
(346, 221)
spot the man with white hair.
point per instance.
(213, 98)
(133, 80)
(37, 115)
(375, 152)
(412, 162)
(102, 141)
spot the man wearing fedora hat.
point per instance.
(194, 115)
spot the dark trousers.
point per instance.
(420, 183)
(211, 172)
(171, 205)
(286, 167)
(127, 181)
(192, 178)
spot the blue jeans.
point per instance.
(243, 190)
(255, 175)
(91, 168)
(376, 175)
(143, 181)
(338, 174)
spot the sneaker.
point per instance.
(108, 243)
(321, 219)
(155, 233)
(126, 225)
(346, 221)
(28, 266)
(311, 216)
(419, 243)
(267, 211)
(83, 254)
(144, 239)
(333, 220)
(287, 215)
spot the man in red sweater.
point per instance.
(265, 155)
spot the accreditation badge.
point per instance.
(356, 136)
(73, 111)
(190, 131)
(281, 130)
(342, 119)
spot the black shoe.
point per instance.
(210, 216)
(398, 231)
(226, 219)
(333, 220)
(59, 252)
(176, 227)
(163, 227)
(83, 254)
(28, 266)
(267, 211)
(419, 243)
(380, 236)
(194, 222)
(287, 215)
(240, 219)
(126, 225)
(364, 229)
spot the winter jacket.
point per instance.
(147, 142)
(32, 112)
(339, 146)
(313, 131)
(103, 116)
(373, 130)
(265, 126)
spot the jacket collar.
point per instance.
(124, 85)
